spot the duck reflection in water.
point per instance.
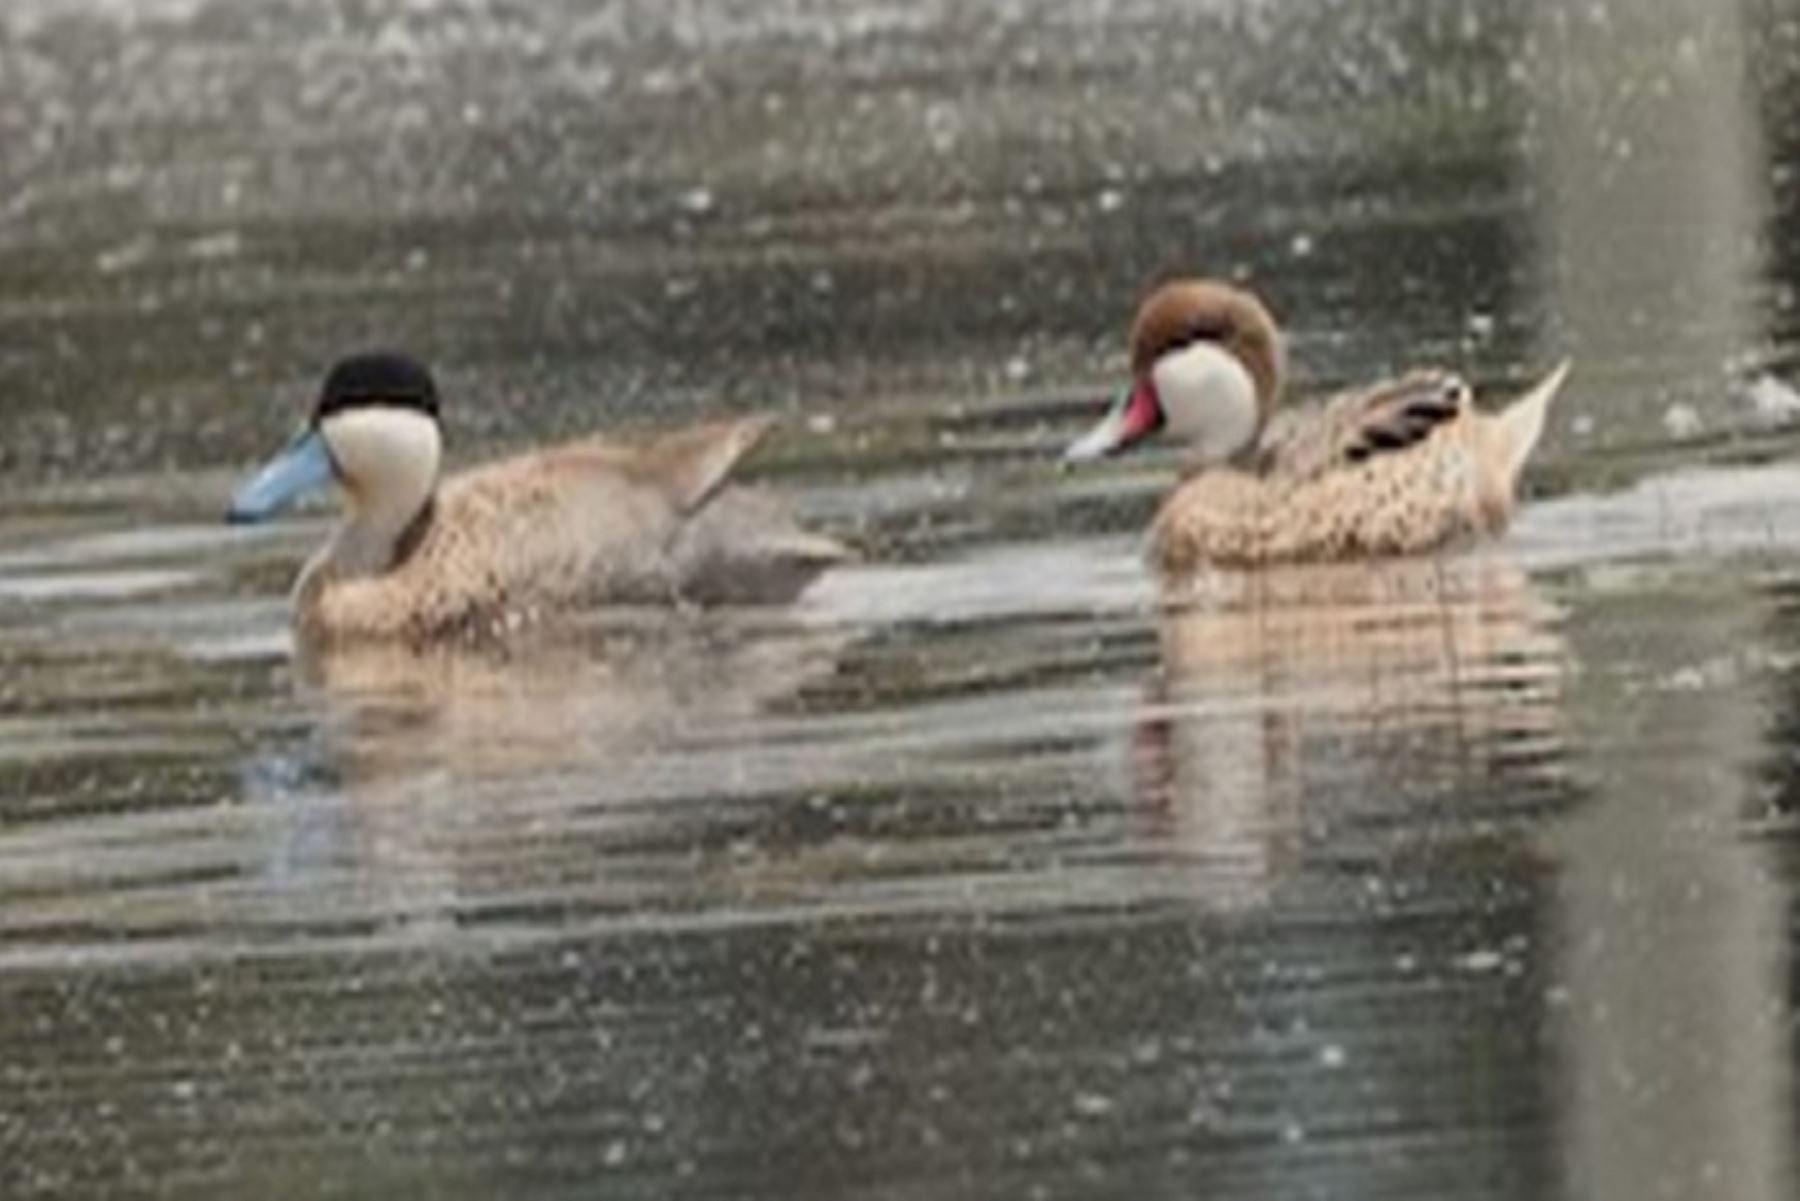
(443, 783)
(1307, 710)
(591, 693)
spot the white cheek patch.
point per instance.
(1208, 400)
(387, 456)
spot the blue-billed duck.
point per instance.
(591, 521)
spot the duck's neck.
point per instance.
(378, 533)
(387, 459)
(1209, 402)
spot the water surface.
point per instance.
(977, 873)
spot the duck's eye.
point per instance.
(1206, 331)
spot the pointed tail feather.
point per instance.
(1516, 430)
(746, 547)
(693, 464)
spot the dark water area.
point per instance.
(975, 873)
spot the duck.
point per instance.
(593, 521)
(1404, 466)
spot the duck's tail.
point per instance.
(1513, 433)
(746, 548)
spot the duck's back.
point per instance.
(1352, 426)
(1401, 468)
(551, 528)
(1394, 505)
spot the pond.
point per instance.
(975, 873)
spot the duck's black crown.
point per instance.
(377, 378)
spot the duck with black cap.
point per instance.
(591, 521)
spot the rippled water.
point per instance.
(976, 873)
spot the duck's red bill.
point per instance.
(1134, 416)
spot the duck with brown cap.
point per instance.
(1400, 467)
(591, 521)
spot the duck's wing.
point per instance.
(689, 466)
(1356, 425)
(649, 520)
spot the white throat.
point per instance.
(387, 459)
(1208, 400)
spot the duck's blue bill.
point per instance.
(303, 467)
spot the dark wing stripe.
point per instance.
(1352, 426)
(1397, 418)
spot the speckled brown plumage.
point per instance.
(588, 522)
(1390, 504)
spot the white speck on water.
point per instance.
(1485, 960)
(943, 126)
(1111, 200)
(1148, 1052)
(124, 257)
(1332, 1056)
(1018, 369)
(1204, 1112)
(124, 176)
(216, 246)
(1773, 402)
(697, 201)
(417, 259)
(1093, 1105)
(1681, 421)
(1301, 246)
(1686, 679)
(615, 1153)
(1582, 426)
(821, 423)
(1480, 325)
